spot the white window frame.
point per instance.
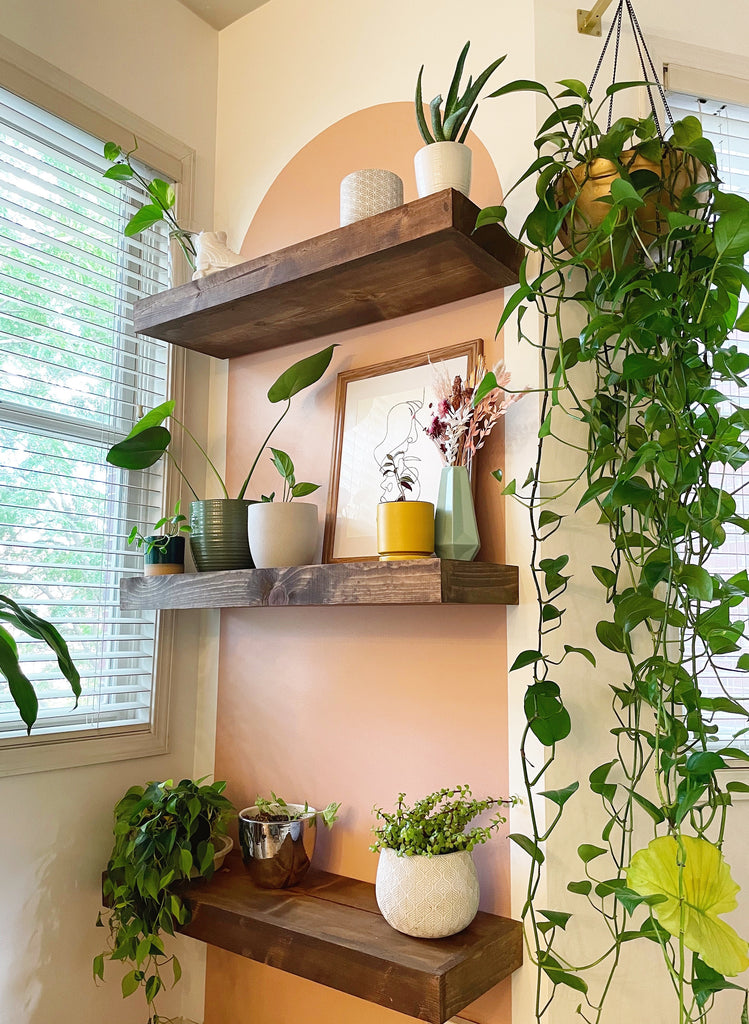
(33, 79)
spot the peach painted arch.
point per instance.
(303, 201)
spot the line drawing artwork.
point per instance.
(402, 430)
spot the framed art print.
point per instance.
(382, 410)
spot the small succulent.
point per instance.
(436, 824)
(291, 489)
(460, 110)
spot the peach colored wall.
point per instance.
(354, 704)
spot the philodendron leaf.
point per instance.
(301, 490)
(706, 889)
(283, 463)
(146, 216)
(111, 150)
(141, 450)
(300, 376)
(118, 172)
(163, 192)
(561, 796)
(587, 853)
(527, 844)
(487, 385)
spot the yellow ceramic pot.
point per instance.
(591, 181)
(405, 529)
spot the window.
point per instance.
(727, 126)
(74, 379)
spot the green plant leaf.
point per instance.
(587, 853)
(732, 233)
(611, 636)
(604, 575)
(21, 690)
(283, 464)
(491, 215)
(582, 888)
(301, 490)
(162, 192)
(588, 655)
(111, 150)
(561, 796)
(145, 218)
(557, 917)
(118, 172)
(300, 376)
(647, 805)
(528, 845)
(487, 385)
(526, 658)
(603, 483)
(520, 85)
(548, 518)
(130, 984)
(141, 450)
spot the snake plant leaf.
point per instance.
(708, 891)
(452, 92)
(420, 119)
(434, 109)
(300, 376)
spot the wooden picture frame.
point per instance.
(362, 414)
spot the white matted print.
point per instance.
(382, 410)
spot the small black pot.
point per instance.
(164, 560)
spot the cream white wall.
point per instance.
(160, 62)
(309, 65)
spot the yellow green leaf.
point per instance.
(707, 890)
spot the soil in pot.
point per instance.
(277, 851)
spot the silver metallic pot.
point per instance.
(277, 854)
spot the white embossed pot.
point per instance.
(443, 165)
(427, 897)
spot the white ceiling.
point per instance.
(221, 13)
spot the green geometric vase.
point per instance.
(456, 534)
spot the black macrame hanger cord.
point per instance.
(646, 62)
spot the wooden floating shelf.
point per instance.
(329, 930)
(420, 581)
(415, 257)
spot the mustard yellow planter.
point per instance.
(405, 529)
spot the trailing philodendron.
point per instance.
(162, 200)
(645, 395)
(165, 834)
(445, 160)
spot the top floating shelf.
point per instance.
(415, 257)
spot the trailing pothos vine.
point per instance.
(644, 395)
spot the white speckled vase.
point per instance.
(366, 193)
(427, 897)
(443, 165)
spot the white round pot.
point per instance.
(427, 897)
(443, 165)
(282, 533)
(366, 193)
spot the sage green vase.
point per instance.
(456, 534)
(219, 534)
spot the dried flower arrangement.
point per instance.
(464, 411)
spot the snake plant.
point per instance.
(459, 111)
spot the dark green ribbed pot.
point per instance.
(219, 534)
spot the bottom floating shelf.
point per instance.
(329, 930)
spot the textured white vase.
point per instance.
(427, 897)
(365, 193)
(443, 165)
(282, 533)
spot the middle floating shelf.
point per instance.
(415, 257)
(417, 581)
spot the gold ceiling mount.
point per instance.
(589, 22)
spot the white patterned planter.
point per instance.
(427, 897)
(365, 193)
(443, 165)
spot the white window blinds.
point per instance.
(73, 379)
(727, 126)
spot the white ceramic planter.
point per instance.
(443, 165)
(368, 192)
(427, 897)
(282, 533)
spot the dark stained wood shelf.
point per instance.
(420, 581)
(415, 257)
(329, 930)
